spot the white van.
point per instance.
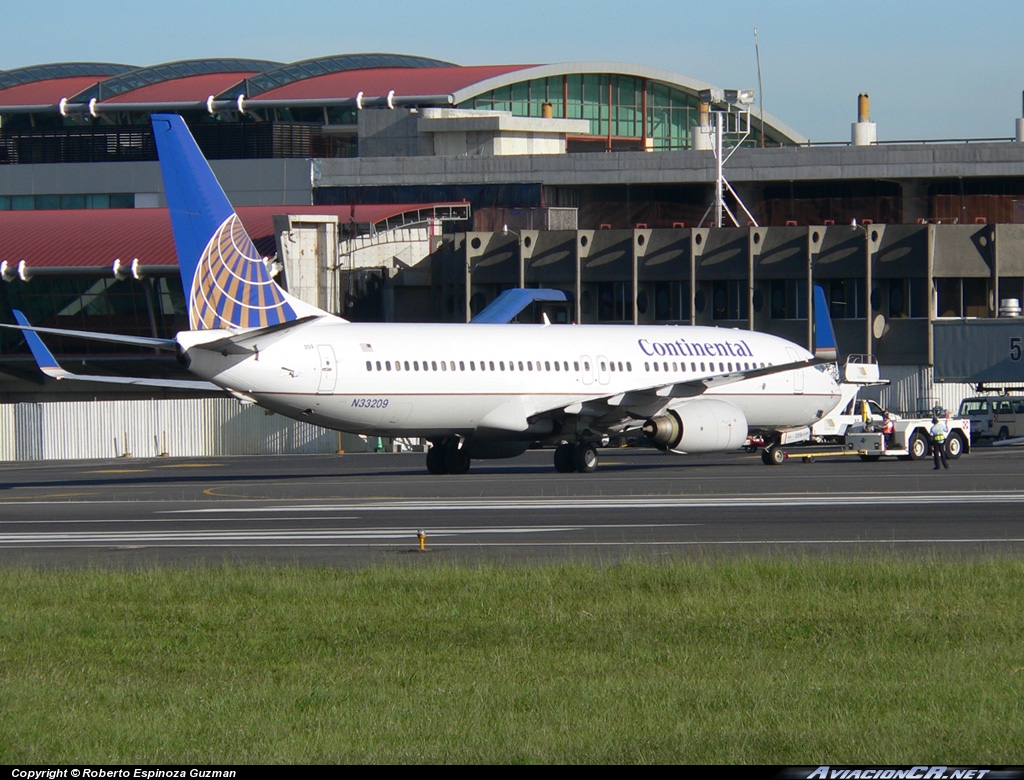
(996, 417)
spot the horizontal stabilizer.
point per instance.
(113, 338)
(48, 364)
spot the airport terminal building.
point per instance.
(394, 187)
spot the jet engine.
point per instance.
(704, 425)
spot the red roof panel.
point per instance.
(91, 238)
(378, 81)
(48, 92)
(197, 88)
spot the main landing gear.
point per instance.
(570, 457)
(447, 457)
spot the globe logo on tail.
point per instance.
(232, 287)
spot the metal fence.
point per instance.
(185, 428)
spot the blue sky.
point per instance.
(933, 69)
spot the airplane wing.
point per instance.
(634, 406)
(48, 363)
(648, 401)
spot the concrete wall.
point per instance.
(246, 182)
(895, 265)
(755, 166)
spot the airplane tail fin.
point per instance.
(825, 346)
(226, 282)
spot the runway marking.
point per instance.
(565, 503)
(189, 465)
(323, 540)
(54, 495)
(117, 471)
(650, 502)
(251, 536)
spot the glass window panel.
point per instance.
(975, 297)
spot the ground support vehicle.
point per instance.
(994, 418)
(910, 440)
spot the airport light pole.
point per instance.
(734, 118)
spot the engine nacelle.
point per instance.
(704, 425)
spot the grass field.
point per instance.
(750, 661)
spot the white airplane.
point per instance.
(473, 390)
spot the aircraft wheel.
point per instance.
(918, 447)
(585, 458)
(564, 461)
(456, 460)
(773, 456)
(954, 446)
(436, 460)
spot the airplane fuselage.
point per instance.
(434, 380)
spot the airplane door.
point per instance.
(798, 376)
(602, 370)
(586, 369)
(328, 369)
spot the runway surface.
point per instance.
(361, 509)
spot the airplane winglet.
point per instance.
(44, 358)
(510, 303)
(825, 346)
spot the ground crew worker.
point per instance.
(888, 429)
(938, 433)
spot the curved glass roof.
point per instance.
(142, 77)
(297, 71)
(60, 70)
